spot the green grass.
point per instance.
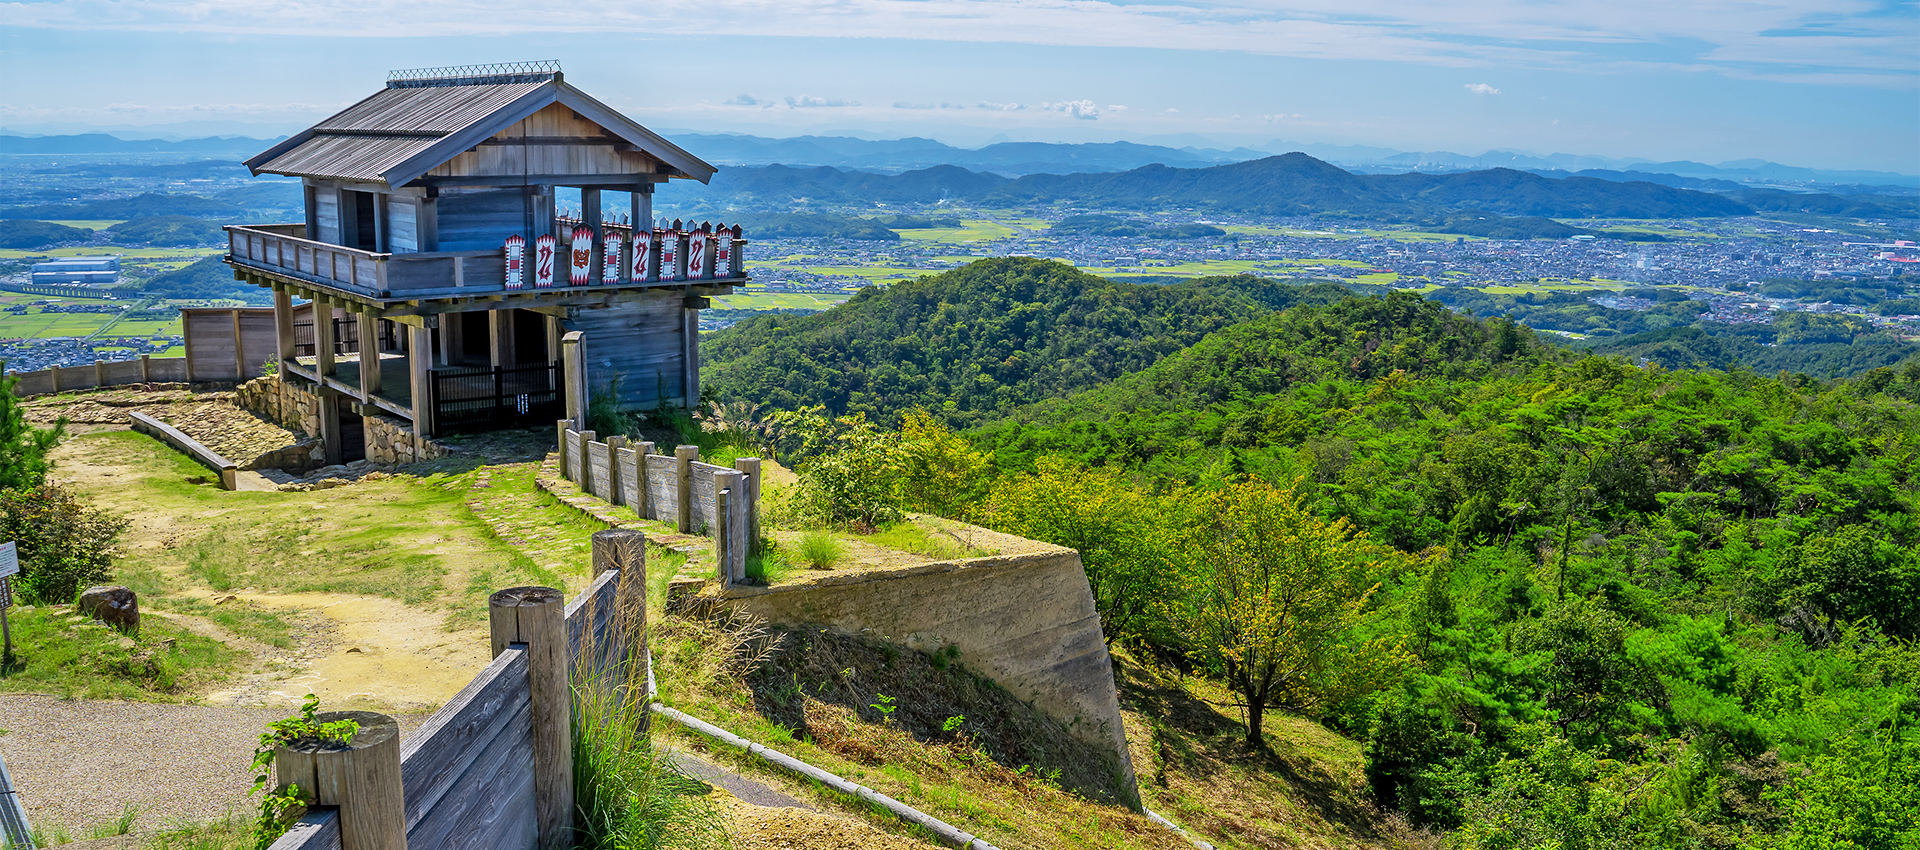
(910, 536)
(974, 230)
(89, 224)
(820, 550)
(60, 653)
(760, 299)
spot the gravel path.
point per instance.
(78, 763)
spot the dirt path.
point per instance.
(79, 763)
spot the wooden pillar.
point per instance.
(574, 367)
(362, 778)
(283, 344)
(146, 368)
(560, 443)
(500, 344)
(690, 356)
(330, 440)
(369, 356)
(536, 618)
(99, 373)
(683, 458)
(239, 350)
(590, 215)
(426, 222)
(451, 344)
(323, 340)
(750, 467)
(186, 349)
(420, 379)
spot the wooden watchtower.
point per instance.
(439, 279)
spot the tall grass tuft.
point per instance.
(627, 794)
(821, 550)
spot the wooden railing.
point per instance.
(284, 249)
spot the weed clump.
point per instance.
(820, 550)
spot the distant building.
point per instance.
(104, 271)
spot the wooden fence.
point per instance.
(102, 373)
(492, 769)
(698, 498)
(222, 344)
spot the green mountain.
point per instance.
(981, 340)
(1822, 346)
(150, 204)
(209, 277)
(172, 231)
(27, 234)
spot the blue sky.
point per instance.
(1833, 84)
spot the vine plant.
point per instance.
(275, 805)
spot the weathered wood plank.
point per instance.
(662, 489)
(492, 804)
(600, 469)
(316, 830)
(440, 752)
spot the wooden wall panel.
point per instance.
(481, 220)
(403, 228)
(593, 156)
(326, 214)
(635, 346)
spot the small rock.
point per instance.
(355, 651)
(127, 643)
(116, 605)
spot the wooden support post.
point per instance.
(616, 494)
(451, 345)
(239, 350)
(500, 338)
(683, 458)
(722, 532)
(560, 443)
(323, 340)
(690, 357)
(750, 467)
(591, 217)
(420, 379)
(330, 439)
(283, 344)
(574, 367)
(641, 199)
(362, 779)
(369, 356)
(146, 368)
(186, 353)
(99, 373)
(536, 617)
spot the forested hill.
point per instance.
(978, 341)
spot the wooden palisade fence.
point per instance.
(697, 498)
(493, 768)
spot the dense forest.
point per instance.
(1564, 600)
(979, 340)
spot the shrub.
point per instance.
(850, 471)
(23, 448)
(821, 550)
(64, 546)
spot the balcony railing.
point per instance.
(284, 249)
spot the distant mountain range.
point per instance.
(1014, 159)
(1500, 202)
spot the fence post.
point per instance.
(683, 458)
(750, 467)
(536, 617)
(616, 489)
(99, 373)
(722, 534)
(573, 359)
(146, 368)
(362, 779)
(625, 549)
(586, 462)
(560, 443)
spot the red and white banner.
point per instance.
(669, 255)
(723, 254)
(697, 256)
(516, 251)
(642, 252)
(543, 261)
(610, 262)
(580, 253)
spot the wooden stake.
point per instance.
(536, 617)
(361, 777)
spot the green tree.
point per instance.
(1273, 597)
(23, 448)
(64, 546)
(942, 473)
(1856, 798)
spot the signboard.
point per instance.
(9, 559)
(543, 261)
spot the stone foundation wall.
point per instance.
(281, 402)
(391, 441)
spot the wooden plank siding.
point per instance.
(592, 641)
(638, 348)
(481, 219)
(326, 215)
(315, 830)
(661, 487)
(403, 224)
(211, 343)
(550, 141)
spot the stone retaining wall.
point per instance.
(390, 441)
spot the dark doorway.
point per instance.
(529, 338)
(365, 235)
(473, 338)
(353, 436)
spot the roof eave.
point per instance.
(654, 144)
(453, 144)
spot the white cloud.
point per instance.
(1116, 109)
(1000, 107)
(745, 100)
(1281, 117)
(1085, 110)
(811, 102)
(1171, 109)
(1842, 42)
(1481, 88)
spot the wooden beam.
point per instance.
(369, 357)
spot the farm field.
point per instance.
(89, 224)
(127, 255)
(976, 230)
(763, 300)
